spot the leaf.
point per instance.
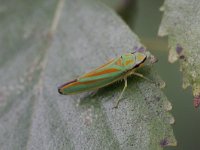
(115, 4)
(181, 23)
(45, 43)
(118, 5)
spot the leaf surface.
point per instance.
(45, 43)
(181, 23)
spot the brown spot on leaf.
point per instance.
(164, 142)
(196, 101)
(179, 50)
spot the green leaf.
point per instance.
(45, 43)
(181, 23)
(115, 4)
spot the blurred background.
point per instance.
(144, 17)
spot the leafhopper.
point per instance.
(116, 69)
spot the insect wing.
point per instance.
(100, 77)
(75, 86)
(110, 69)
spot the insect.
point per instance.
(116, 69)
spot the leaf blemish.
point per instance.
(196, 101)
(157, 98)
(179, 50)
(139, 49)
(164, 142)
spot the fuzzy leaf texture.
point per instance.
(46, 43)
(181, 23)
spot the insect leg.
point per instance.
(142, 76)
(93, 93)
(125, 86)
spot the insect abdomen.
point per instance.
(76, 86)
